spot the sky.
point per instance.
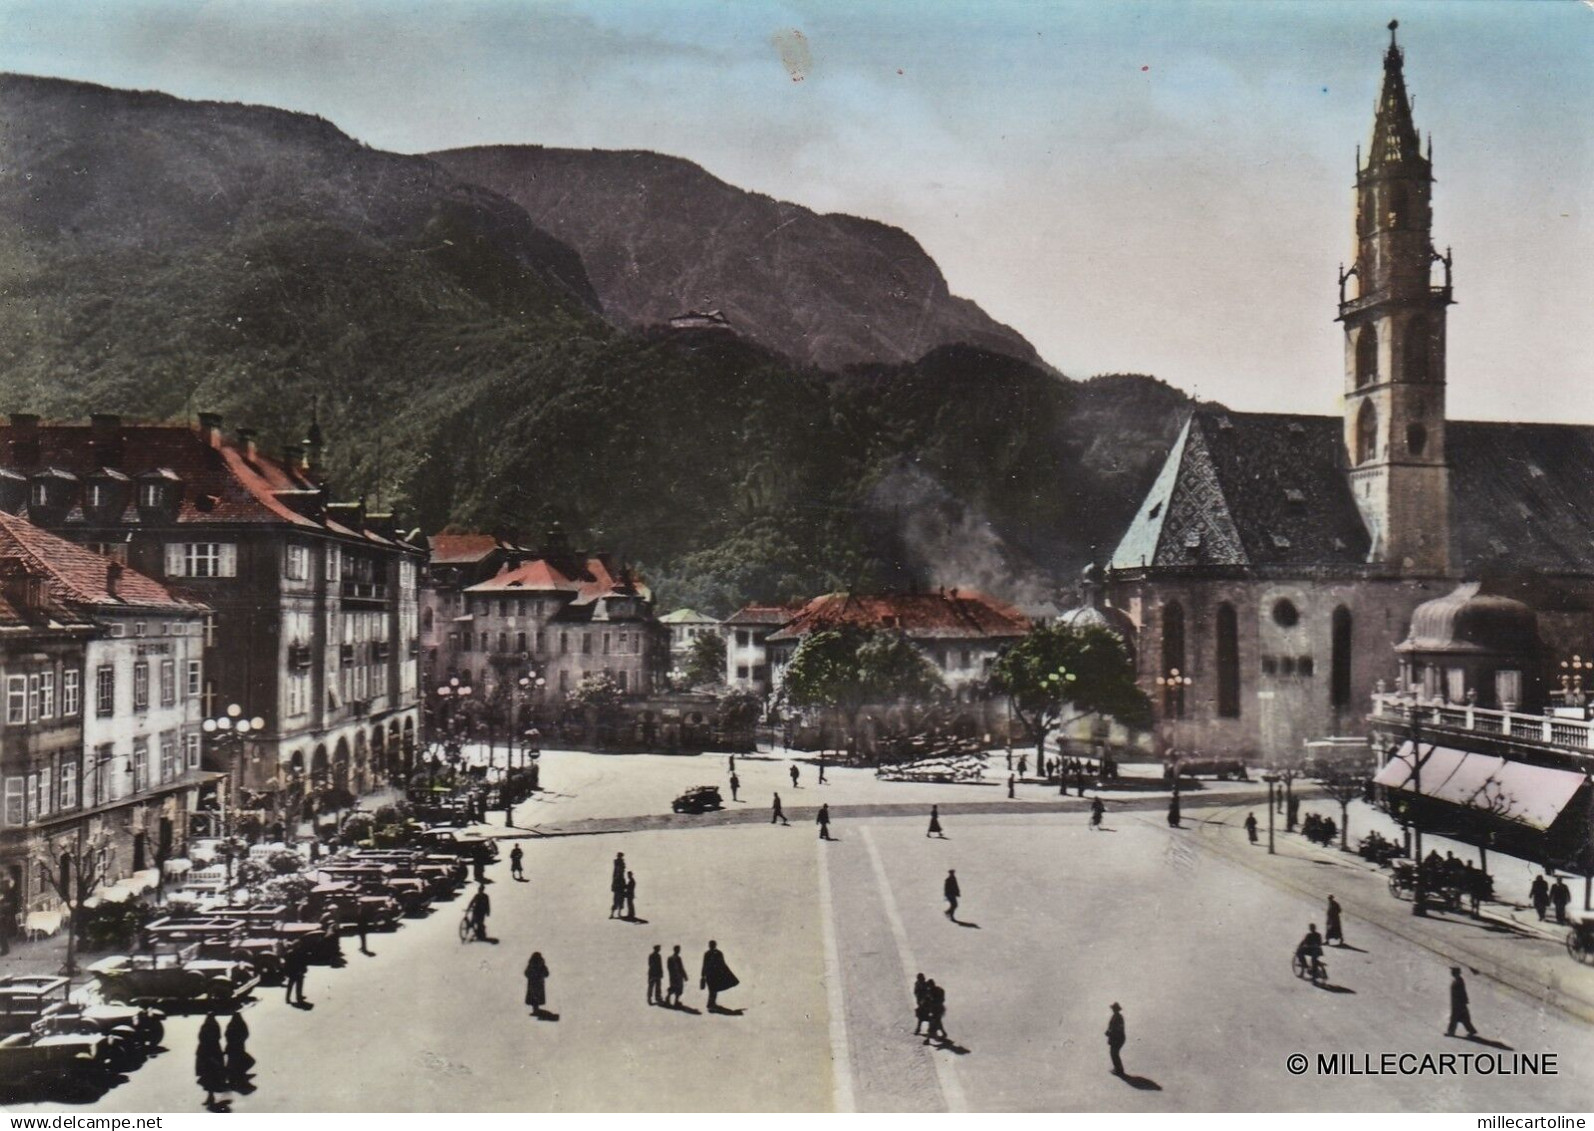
(1149, 187)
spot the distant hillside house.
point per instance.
(562, 615)
(961, 632)
(456, 562)
(746, 630)
(1277, 560)
(686, 626)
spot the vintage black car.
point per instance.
(699, 799)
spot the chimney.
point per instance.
(24, 438)
(113, 578)
(105, 430)
(246, 441)
(210, 428)
(313, 446)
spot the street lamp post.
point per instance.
(230, 731)
(531, 685)
(1272, 780)
(453, 695)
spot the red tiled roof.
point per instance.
(588, 578)
(953, 614)
(460, 549)
(78, 577)
(763, 614)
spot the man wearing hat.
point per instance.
(1459, 1013)
(1116, 1038)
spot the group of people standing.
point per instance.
(1544, 895)
(222, 1062)
(715, 977)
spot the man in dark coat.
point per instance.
(934, 1013)
(1097, 811)
(1333, 929)
(823, 821)
(656, 977)
(716, 976)
(630, 895)
(1116, 1038)
(617, 886)
(1173, 811)
(517, 859)
(1560, 896)
(294, 968)
(736, 783)
(1460, 1014)
(952, 893)
(677, 969)
(776, 813)
(794, 776)
(1250, 826)
(1539, 893)
(1010, 780)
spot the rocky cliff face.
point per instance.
(660, 236)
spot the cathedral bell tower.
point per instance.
(1394, 316)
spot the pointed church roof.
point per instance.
(1244, 489)
(1395, 143)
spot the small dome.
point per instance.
(1113, 620)
(1469, 621)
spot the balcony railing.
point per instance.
(364, 590)
(1573, 729)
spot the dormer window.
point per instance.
(151, 496)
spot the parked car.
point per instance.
(28, 1001)
(382, 879)
(223, 936)
(316, 939)
(699, 799)
(343, 903)
(442, 875)
(76, 1062)
(174, 977)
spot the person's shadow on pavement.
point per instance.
(964, 922)
(1142, 1083)
(1477, 1040)
(723, 1012)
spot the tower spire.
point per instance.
(1395, 140)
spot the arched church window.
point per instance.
(1172, 637)
(1228, 662)
(1340, 658)
(1416, 439)
(1414, 353)
(1367, 433)
(1366, 355)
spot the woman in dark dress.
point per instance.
(239, 1062)
(210, 1062)
(536, 983)
(935, 823)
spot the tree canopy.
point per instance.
(706, 663)
(1057, 674)
(848, 668)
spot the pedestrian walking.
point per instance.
(362, 924)
(736, 783)
(617, 887)
(239, 1062)
(1116, 1038)
(953, 893)
(1250, 826)
(1010, 787)
(920, 997)
(1460, 1014)
(822, 770)
(1023, 764)
(517, 861)
(656, 976)
(1173, 811)
(935, 1013)
(1097, 811)
(935, 823)
(677, 971)
(479, 908)
(536, 983)
(1560, 896)
(1539, 893)
(776, 814)
(1081, 783)
(1333, 929)
(823, 821)
(294, 968)
(716, 976)
(630, 895)
(732, 766)
(210, 1061)
(1009, 770)
(794, 776)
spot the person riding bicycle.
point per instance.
(1311, 949)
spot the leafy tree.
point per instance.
(1057, 674)
(739, 709)
(849, 668)
(1343, 782)
(706, 664)
(596, 691)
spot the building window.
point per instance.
(1228, 662)
(1367, 355)
(332, 563)
(564, 643)
(193, 678)
(606, 643)
(140, 765)
(16, 699)
(191, 741)
(1507, 688)
(168, 683)
(484, 642)
(44, 804)
(1285, 614)
(1416, 439)
(104, 691)
(586, 645)
(14, 813)
(141, 686)
(68, 785)
(619, 678)
(169, 765)
(741, 671)
(1367, 433)
(297, 565)
(33, 698)
(1305, 666)
(1286, 665)
(1339, 663)
(149, 496)
(46, 695)
(201, 559)
(71, 692)
(520, 641)
(743, 638)
(503, 641)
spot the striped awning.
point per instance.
(1529, 795)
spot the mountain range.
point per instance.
(485, 337)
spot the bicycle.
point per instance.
(1310, 969)
(467, 928)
